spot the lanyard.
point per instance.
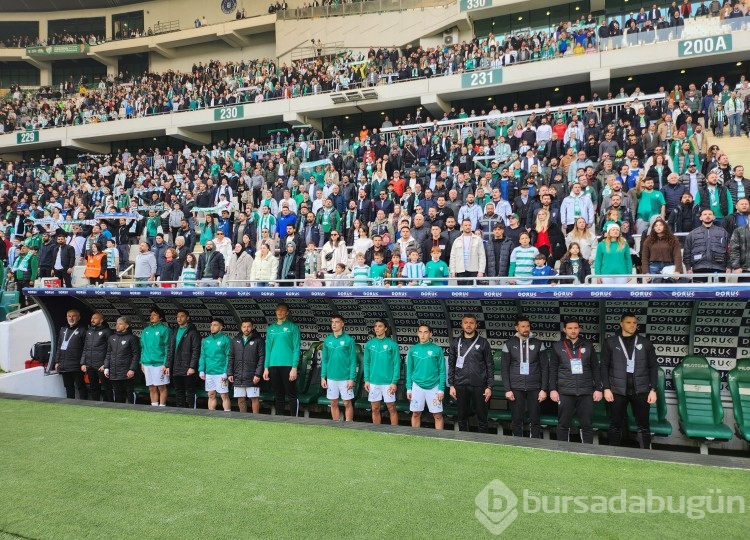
(630, 358)
(470, 346)
(66, 338)
(528, 355)
(570, 353)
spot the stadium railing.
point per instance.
(360, 8)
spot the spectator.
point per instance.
(613, 257)
(522, 260)
(189, 271)
(705, 249)
(171, 269)
(574, 264)
(661, 252)
(211, 264)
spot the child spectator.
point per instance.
(395, 269)
(573, 264)
(522, 260)
(414, 269)
(378, 269)
(541, 268)
(113, 261)
(436, 268)
(189, 270)
(360, 271)
(339, 277)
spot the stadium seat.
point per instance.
(658, 413)
(311, 390)
(402, 404)
(9, 303)
(739, 388)
(698, 389)
(358, 379)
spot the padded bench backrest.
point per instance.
(697, 386)
(310, 361)
(739, 387)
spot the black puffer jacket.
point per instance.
(69, 359)
(478, 368)
(498, 257)
(95, 348)
(184, 356)
(537, 379)
(561, 376)
(123, 354)
(614, 365)
(247, 360)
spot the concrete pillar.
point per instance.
(600, 81)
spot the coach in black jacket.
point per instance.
(471, 374)
(183, 355)
(629, 375)
(68, 355)
(574, 382)
(123, 358)
(525, 375)
(92, 360)
(247, 358)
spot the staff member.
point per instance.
(92, 360)
(471, 374)
(70, 342)
(574, 382)
(629, 375)
(123, 358)
(247, 357)
(183, 356)
(283, 343)
(525, 377)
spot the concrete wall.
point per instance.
(32, 382)
(18, 336)
(263, 46)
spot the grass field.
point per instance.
(82, 472)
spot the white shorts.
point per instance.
(379, 392)
(338, 388)
(155, 376)
(247, 391)
(420, 396)
(218, 383)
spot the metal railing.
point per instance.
(361, 7)
(23, 311)
(168, 26)
(726, 278)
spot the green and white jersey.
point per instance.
(382, 361)
(425, 366)
(339, 358)
(154, 344)
(283, 343)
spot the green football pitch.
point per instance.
(78, 472)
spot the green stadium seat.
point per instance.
(312, 389)
(698, 389)
(499, 410)
(658, 413)
(9, 302)
(739, 388)
(358, 380)
(402, 404)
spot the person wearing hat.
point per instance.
(63, 259)
(154, 345)
(613, 257)
(24, 271)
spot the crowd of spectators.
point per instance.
(218, 83)
(522, 197)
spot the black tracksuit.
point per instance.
(472, 379)
(627, 387)
(68, 360)
(525, 388)
(94, 351)
(575, 388)
(181, 357)
(123, 355)
(247, 359)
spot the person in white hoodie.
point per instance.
(265, 267)
(223, 244)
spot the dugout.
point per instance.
(706, 320)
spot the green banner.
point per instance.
(705, 45)
(50, 50)
(24, 137)
(475, 79)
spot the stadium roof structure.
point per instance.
(10, 6)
